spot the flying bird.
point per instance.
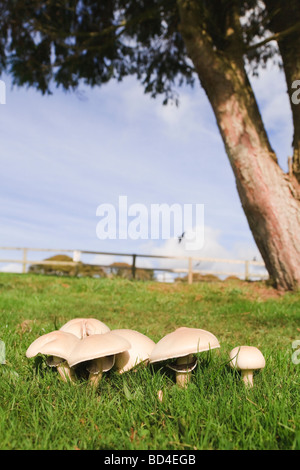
(181, 237)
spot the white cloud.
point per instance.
(62, 157)
(271, 92)
(11, 268)
(213, 249)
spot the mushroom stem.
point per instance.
(66, 372)
(247, 376)
(95, 371)
(184, 377)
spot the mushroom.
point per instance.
(99, 350)
(82, 327)
(58, 346)
(181, 344)
(247, 359)
(141, 348)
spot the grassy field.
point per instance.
(39, 411)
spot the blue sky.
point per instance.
(64, 155)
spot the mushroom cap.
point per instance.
(57, 343)
(141, 348)
(106, 364)
(182, 342)
(82, 327)
(247, 358)
(96, 346)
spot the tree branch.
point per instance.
(275, 37)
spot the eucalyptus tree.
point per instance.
(166, 43)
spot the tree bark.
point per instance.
(268, 196)
(283, 15)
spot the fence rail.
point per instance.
(189, 269)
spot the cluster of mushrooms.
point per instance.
(88, 344)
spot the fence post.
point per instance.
(246, 270)
(76, 259)
(133, 268)
(190, 273)
(24, 260)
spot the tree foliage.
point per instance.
(55, 267)
(66, 43)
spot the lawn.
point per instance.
(39, 411)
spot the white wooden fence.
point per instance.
(188, 260)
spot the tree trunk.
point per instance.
(283, 15)
(267, 194)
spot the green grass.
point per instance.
(39, 411)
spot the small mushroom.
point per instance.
(181, 345)
(82, 327)
(247, 359)
(141, 348)
(58, 346)
(98, 351)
